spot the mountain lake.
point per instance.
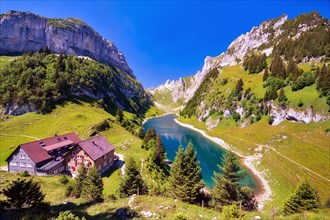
(208, 153)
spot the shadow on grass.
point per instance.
(118, 164)
(80, 210)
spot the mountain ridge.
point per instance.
(258, 39)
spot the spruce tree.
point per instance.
(305, 198)
(119, 115)
(132, 182)
(265, 76)
(194, 173)
(186, 176)
(281, 97)
(159, 152)
(81, 176)
(227, 190)
(277, 67)
(92, 186)
(178, 179)
(23, 193)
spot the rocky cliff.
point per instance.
(262, 39)
(25, 31)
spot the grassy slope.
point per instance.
(306, 144)
(74, 116)
(54, 191)
(79, 117)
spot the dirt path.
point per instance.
(301, 166)
(271, 148)
(21, 135)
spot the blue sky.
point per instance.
(169, 39)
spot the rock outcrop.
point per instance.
(307, 116)
(25, 31)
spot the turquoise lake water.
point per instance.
(208, 153)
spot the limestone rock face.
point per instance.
(25, 31)
(307, 116)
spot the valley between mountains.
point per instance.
(266, 99)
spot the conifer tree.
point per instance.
(178, 178)
(265, 76)
(186, 177)
(227, 190)
(23, 193)
(132, 182)
(281, 97)
(119, 115)
(79, 180)
(304, 198)
(277, 67)
(194, 173)
(150, 135)
(291, 66)
(159, 151)
(92, 186)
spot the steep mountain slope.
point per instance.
(88, 65)
(24, 31)
(288, 38)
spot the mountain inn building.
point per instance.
(62, 155)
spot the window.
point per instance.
(85, 153)
(79, 156)
(99, 167)
(73, 153)
(78, 148)
(29, 165)
(105, 156)
(22, 164)
(54, 172)
(65, 138)
(59, 139)
(14, 164)
(22, 157)
(14, 156)
(79, 163)
(72, 160)
(20, 149)
(27, 157)
(69, 168)
(42, 143)
(61, 169)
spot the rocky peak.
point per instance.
(25, 31)
(261, 38)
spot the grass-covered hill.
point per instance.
(84, 116)
(39, 79)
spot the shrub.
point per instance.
(230, 212)
(25, 173)
(180, 216)
(300, 103)
(270, 120)
(306, 79)
(274, 82)
(64, 179)
(236, 116)
(67, 215)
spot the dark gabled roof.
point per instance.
(35, 150)
(96, 147)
